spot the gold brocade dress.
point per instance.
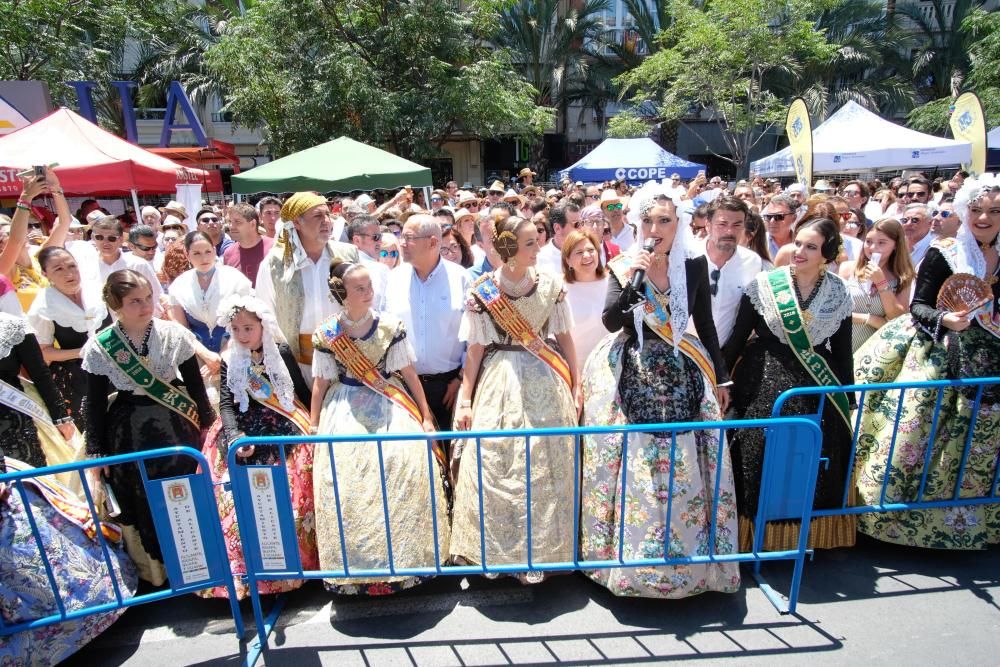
(350, 407)
(515, 390)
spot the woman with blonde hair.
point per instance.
(879, 280)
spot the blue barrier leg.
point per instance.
(41, 548)
(340, 516)
(482, 516)
(892, 449)
(668, 523)
(715, 496)
(385, 507)
(100, 536)
(930, 445)
(968, 441)
(434, 514)
(264, 627)
(576, 498)
(527, 474)
(621, 515)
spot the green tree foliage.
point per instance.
(628, 125)
(982, 30)
(716, 60)
(402, 74)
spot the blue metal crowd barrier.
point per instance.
(976, 385)
(277, 518)
(185, 499)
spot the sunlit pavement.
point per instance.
(875, 603)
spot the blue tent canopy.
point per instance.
(635, 160)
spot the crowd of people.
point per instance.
(503, 309)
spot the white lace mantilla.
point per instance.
(12, 332)
(53, 307)
(170, 345)
(828, 309)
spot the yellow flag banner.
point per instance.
(798, 127)
(968, 123)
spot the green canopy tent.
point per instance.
(341, 165)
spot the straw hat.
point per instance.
(609, 197)
(526, 172)
(174, 207)
(496, 186)
(514, 198)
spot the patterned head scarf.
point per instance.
(299, 203)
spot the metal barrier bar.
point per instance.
(218, 573)
(531, 561)
(919, 503)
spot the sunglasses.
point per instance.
(449, 249)
(207, 220)
(144, 248)
(433, 199)
(774, 216)
(495, 193)
(373, 237)
(852, 193)
(914, 220)
(388, 253)
(943, 214)
(614, 207)
(714, 276)
(845, 216)
(101, 237)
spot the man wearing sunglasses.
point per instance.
(779, 216)
(106, 237)
(945, 222)
(916, 223)
(363, 232)
(622, 234)
(142, 243)
(210, 223)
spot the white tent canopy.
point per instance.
(993, 138)
(854, 139)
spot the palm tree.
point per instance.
(552, 45)
(941, 61)
(866, 65)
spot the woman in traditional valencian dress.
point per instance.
(364, 382)
(801, 315)
(195, 297)
(21, 416)
(64, 316)
(644, 375)
(942, 340)
(76, 557)
(153, 412)
(521, 362)
(262, 393)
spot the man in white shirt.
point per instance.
(294, 277)
(730, 266)
(103, 256)
(363, 233)
(563, 218)
(622, 234)
(428, 294)
(916, 223)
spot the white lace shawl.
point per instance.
(170, 345)
(829, 308)
(204, 306)
(52, 307)
(13, 329)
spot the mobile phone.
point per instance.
(39, 171)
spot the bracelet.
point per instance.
(466, 403)
(59, 192)
(63, 420)
(23, 207)
(313, 430)
(868, 320)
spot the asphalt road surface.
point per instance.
(876, 604)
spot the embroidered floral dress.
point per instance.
(625, 382)
(252, 418)
(78, 565)
(917, 348)
(135, 422)
(516, 390)
(350, 407)
(766, 367)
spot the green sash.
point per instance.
(780, 290)
(122, 356)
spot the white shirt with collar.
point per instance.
(431, 310)
(318, 304)
(624, 239)
(550, 259)
(733, 278)
(95, 270)
(920, 250)
(852, 246)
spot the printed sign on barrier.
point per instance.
(190, 554)
(272, 529)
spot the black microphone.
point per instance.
(640, 274)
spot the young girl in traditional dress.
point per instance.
(364, 382)
(262, 393)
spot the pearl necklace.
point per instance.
(352, 324)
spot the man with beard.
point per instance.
(730, 266)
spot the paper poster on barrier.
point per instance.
(181, 510)
(266, 491)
